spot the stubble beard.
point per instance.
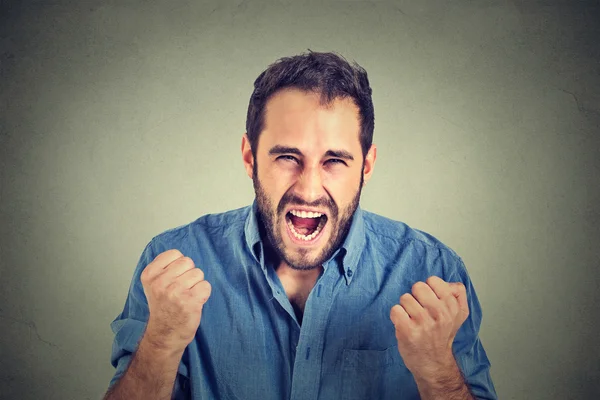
(272, 220)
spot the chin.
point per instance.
(304, 256)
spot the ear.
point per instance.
(369, 163)
(247, 156)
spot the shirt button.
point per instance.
(349, 273)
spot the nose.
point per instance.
(309, 186)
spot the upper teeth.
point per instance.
(306, 214)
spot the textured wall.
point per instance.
(119, 120)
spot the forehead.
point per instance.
(297, 118)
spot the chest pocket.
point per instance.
(376, 374)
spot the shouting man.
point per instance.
(302, 295)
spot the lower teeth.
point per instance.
(306, 237)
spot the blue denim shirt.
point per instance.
(250, 344)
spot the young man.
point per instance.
(302, 295)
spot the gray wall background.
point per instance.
(120, 119)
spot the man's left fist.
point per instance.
(426, 323)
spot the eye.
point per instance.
(288, 158)
(335, 161)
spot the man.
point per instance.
(302, 295)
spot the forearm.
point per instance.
(151, 374)
(447, 384)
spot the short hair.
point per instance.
(327, 74)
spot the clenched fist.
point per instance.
(176, 292)
(426, 323)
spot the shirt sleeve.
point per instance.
(129, 326)
(467, 347)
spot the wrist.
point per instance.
(443, 380)
(437, 372)
(160, 346)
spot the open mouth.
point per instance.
(305, 226)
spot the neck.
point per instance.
(297, 285)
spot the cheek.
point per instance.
(279, 182)
(342, 189)
(279, 173)
(271, 180)
(275, 190)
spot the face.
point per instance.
(308, 175)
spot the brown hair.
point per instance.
(328, 74)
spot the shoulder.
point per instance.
(386, 233)
(226, 224)
(388, 229)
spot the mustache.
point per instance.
(292, 199)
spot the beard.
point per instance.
(272, 220)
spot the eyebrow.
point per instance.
(340, 154)
(275, 150)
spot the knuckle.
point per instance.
(458, 286)
(174, 253)
(192, 276)
(204, 290)
(418, 286)
(433, 280)
(161, 281)
(176, 284)
(187, 261)
(173, 293)
(443, 315)
(144, 276)
(396, 312)
(170, 290)
(198, 273)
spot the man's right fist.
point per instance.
(176, 292)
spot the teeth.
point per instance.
(305, 214)
(306, 238)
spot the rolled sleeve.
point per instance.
(468, 349)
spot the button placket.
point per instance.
(307, 366)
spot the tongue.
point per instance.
(305, 225)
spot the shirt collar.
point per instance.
(252, 234)
(352, 248)
(347, 255)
